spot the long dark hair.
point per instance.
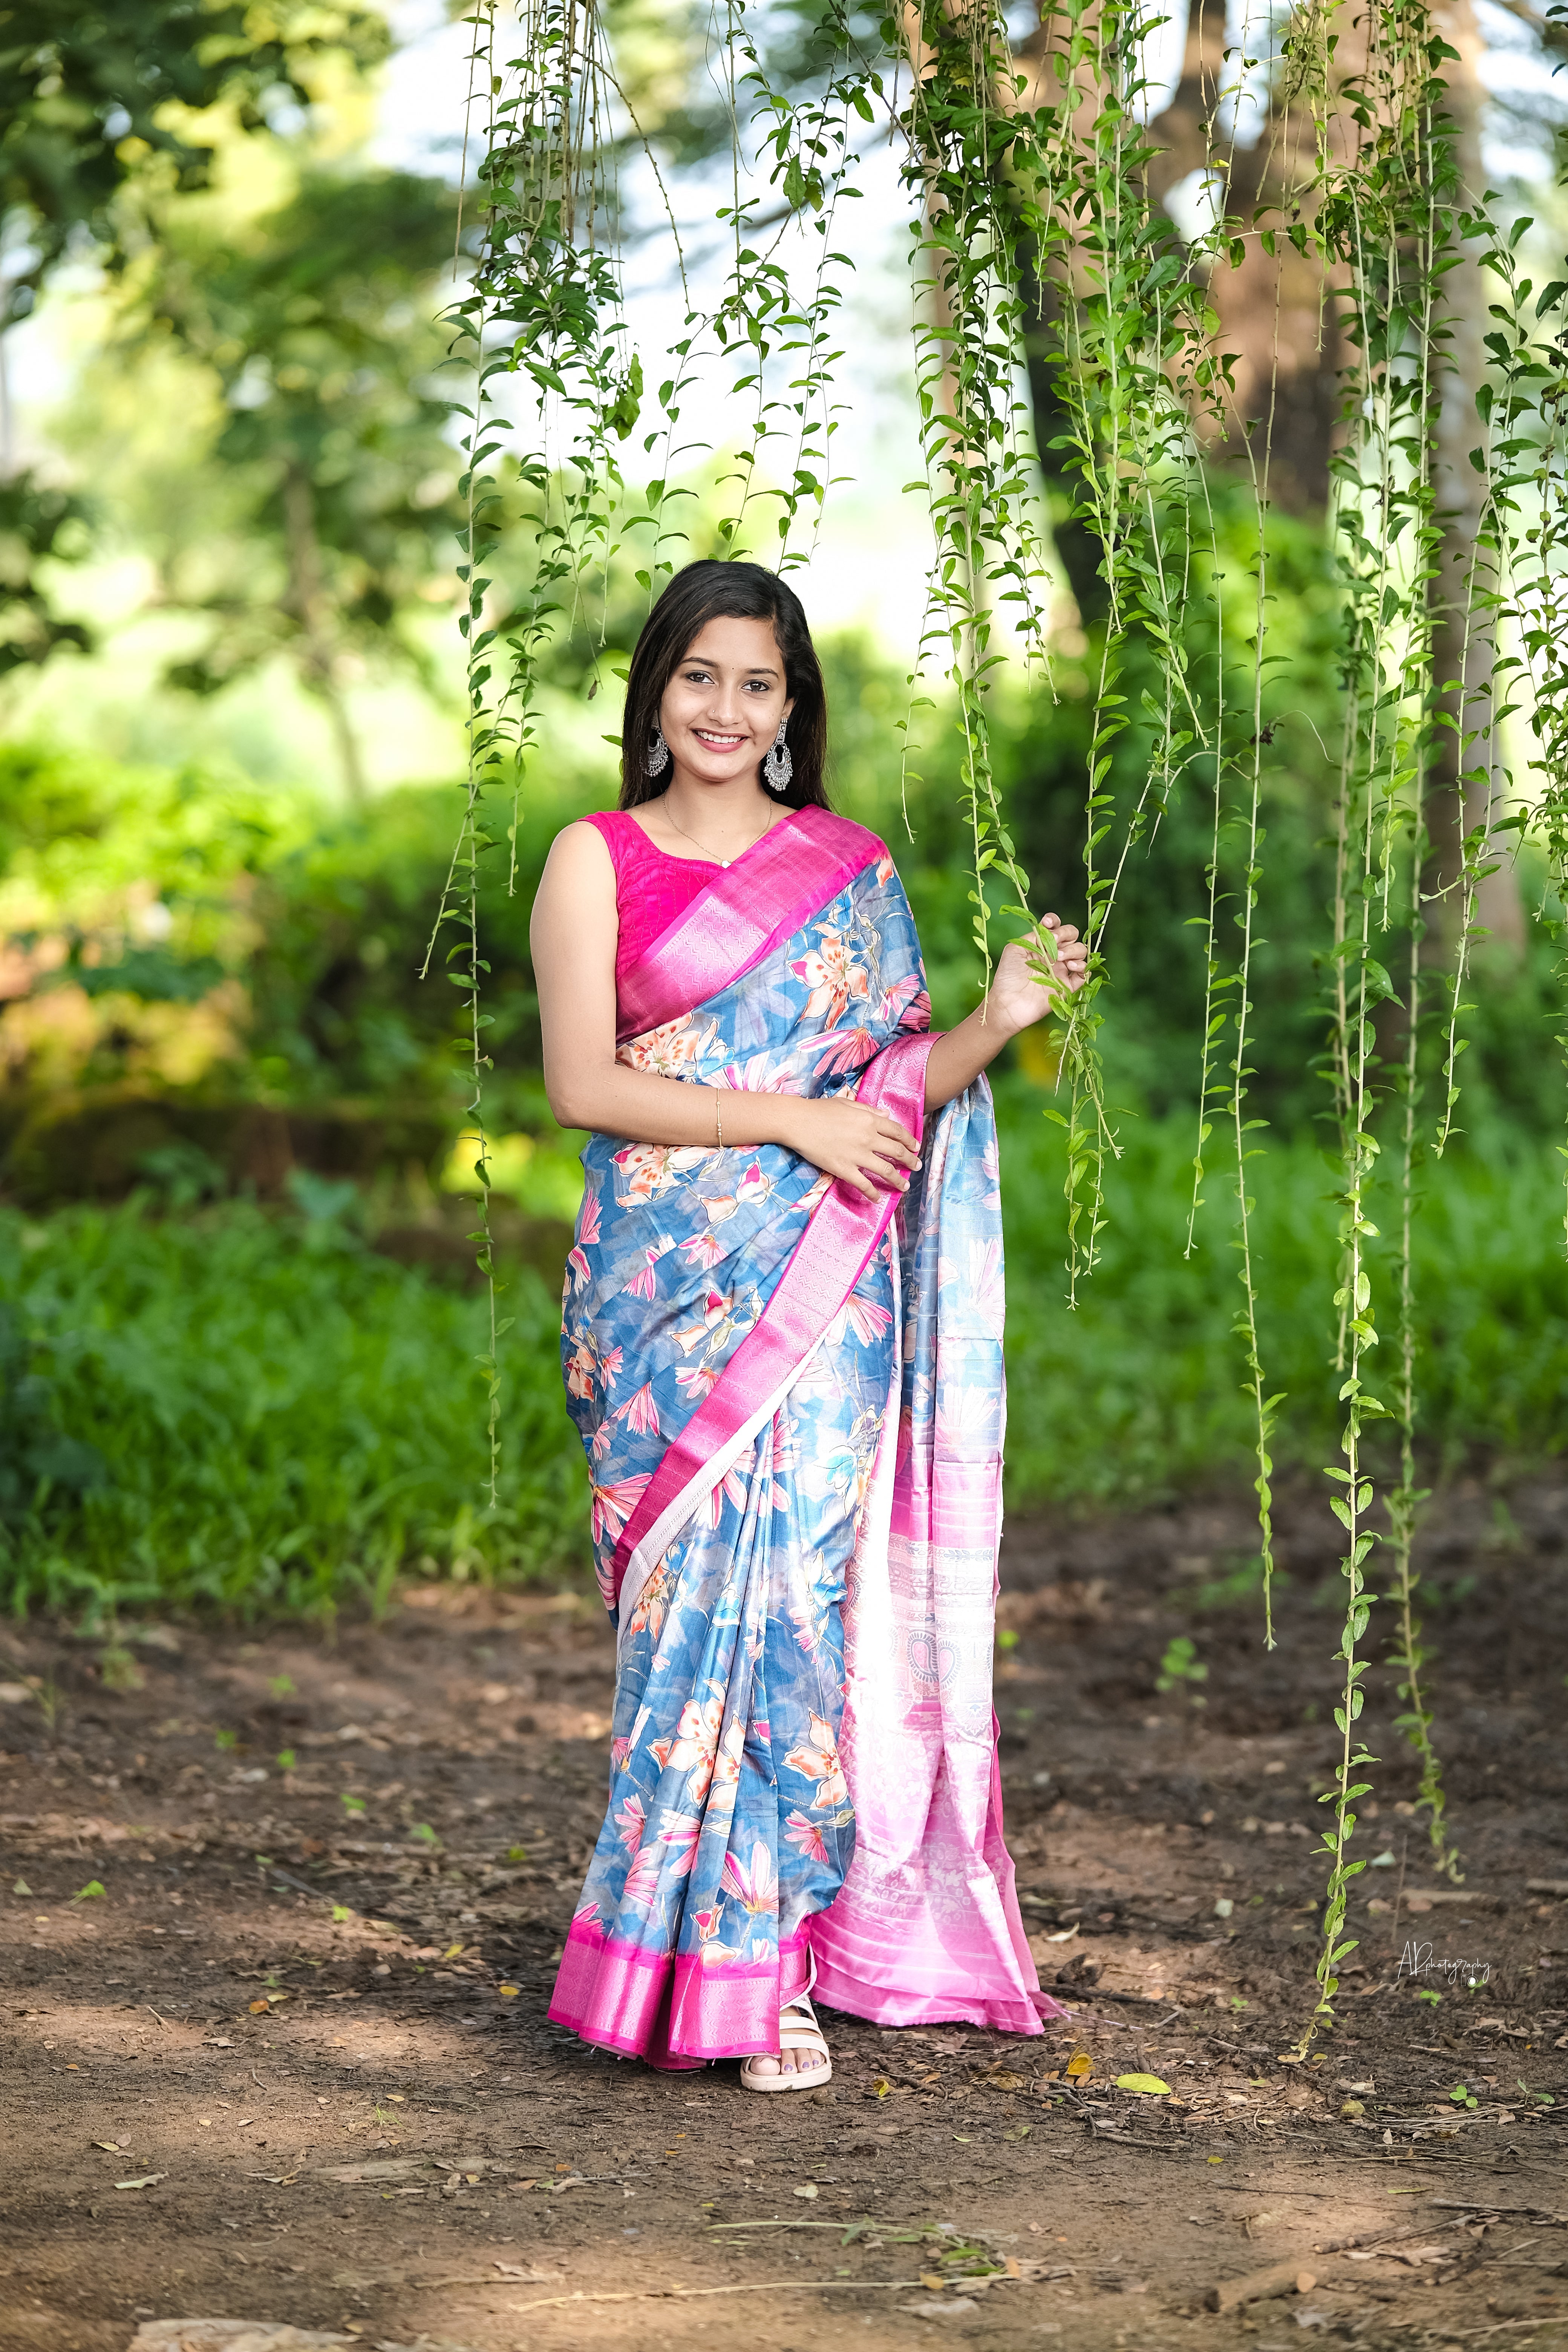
(707, 591)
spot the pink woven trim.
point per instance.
(828, 1260)
(963, 1496)
(674, 2010)
(883, 1951)
(741, 913)
(856, 1992)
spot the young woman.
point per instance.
(783, 1346)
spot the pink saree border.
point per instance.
(826, 1263)
(747, 909)
(676, 2011)
(894, 1963)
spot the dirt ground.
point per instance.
(280, 1913)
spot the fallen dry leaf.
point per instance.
(1150, 2085)
(146, 2180)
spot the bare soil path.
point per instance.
(277, 1920)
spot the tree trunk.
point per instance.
(308, 601)
(1463, 778)
(952, 459)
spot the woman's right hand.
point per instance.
(867, 1148)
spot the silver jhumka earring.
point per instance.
(778, 766)
(658, 758)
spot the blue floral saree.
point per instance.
(792, 1402)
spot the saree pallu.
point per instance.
(791, 1401)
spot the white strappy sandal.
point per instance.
(798, 2029)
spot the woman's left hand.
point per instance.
(1027, 988)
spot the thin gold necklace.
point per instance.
(725, 861)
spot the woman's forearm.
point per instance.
(644, 1108)
(867, 1148)
(613, 1101)
(958, 1057)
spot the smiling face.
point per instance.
(721, 707)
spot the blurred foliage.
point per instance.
(682, 108)
(316, 324)
(1140, 1396)
(305, 509)
(100, 96)
(179, 936)
(41, 525)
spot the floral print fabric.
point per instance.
(729, 1824)
(678, 1252)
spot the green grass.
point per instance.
(1139, 1393)
(256, 1413)
(235, 1409)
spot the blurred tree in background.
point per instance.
(316, 324)
(97, 104)
(41, 526)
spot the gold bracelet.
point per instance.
(718, 1122)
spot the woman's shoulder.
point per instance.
(611, 825)
(600, 830)
(589, 849)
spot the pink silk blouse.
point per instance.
(651, 886)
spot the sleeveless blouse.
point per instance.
(651, 886)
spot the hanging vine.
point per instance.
(1387, 220)
(542, 309)
(1129, 328)
(1045, 157)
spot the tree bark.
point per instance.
(1460, 798)
(1276, 322)
(308, 602)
